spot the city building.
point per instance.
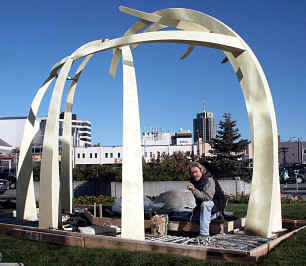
(155, 144)
(80, 128)
(5, 148)
(11, 133)
(204, 127)
(12, 129)
(292, 152)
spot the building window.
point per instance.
(83, 155)
(118, 154)
(151, 154)
(78, 156)
(106, 155)
(111, 155)
(90, 155)
(96, 155)
(145, 154)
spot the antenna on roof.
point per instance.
(204, 104)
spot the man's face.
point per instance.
(196, 173)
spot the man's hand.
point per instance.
(190, 187)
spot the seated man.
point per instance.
(203, 188)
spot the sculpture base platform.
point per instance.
(234, 246)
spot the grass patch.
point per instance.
(290, 252)
(239, 210)
(35, 253)
(294, 211)
(289, 211)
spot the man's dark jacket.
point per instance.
(204, 188)
(207, 188)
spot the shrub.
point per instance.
(90, 200)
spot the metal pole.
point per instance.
(298, 143)
(296, 180)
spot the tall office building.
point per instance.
(204, 127)
(80, 127)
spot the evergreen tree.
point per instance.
(227, 150)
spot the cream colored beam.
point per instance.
(49, 170)
(115, 61)
(218, 41)
(159, 23)
(132, 180)
(59, 64)
(164, 20)
(264, 210)
(140, 14)
(66, 191)
(25, 196)
(212, 40)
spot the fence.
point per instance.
(97, 187)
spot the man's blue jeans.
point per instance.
(205, 216)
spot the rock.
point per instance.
(176, 200)
(99, 230)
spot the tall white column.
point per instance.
(132, 218)
(66, 190)
(49, 170)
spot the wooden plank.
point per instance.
(239, 223)
(294, 223)
(4, 228)
(276, 241)
(184, 226)
(260, 251)
(60, 239)
(229, 227)
(266, 248)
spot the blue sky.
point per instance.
(37, 34)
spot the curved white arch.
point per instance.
(25, 196)
(213, 40)
(49, 170)
(132, 180)
(66, 190)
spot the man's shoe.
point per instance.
(203, 237)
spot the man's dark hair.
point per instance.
(198, 165)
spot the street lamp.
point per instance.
(299, 151)
(284, 150)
